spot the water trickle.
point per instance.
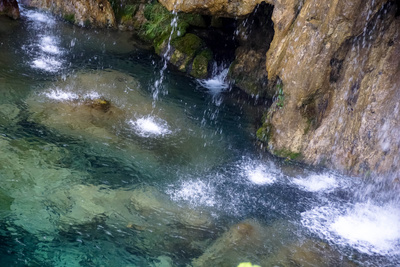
(158, 86)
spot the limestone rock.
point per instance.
(88, 13)
(338, 63)
(9, 8)
(222, 8)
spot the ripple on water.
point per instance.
(366, 227)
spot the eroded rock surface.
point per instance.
(338, 65)
(9, 8)
(222, 8)
(89, 13)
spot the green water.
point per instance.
(94, 172)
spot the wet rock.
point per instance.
(308, 253)
(338, 64)
(88, 13)
(221, 8)
(151, 204)
(242, 242)
(9, 8)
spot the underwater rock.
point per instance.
(88, 13)
(242, 242)
(308, 253)
(152, 204)
(33, 169)
(9, 8)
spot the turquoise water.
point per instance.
(94, 172)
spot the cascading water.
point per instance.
(89, 176)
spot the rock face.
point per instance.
(337, 69)
(88, 13)
(222, 8)
(9, 8)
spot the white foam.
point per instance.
(196, 192)
(150, 127)
(317, 182)
(364, 226)
(39, 17)
(47, 63)
(49, 45)
(61, 95)
(258, 173)
(217, 83)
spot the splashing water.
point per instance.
(150, 127)
(367, 227)
(218, 82)
(317, 183)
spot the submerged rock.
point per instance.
(88, 13)
(152, 204)
(9, 8)
(242, 242)
(308, 253)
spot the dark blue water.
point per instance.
(94, 172)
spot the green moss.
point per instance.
(195, 20)
(201, 63)
(70, 18)
(188, 44)
(285, 153)
(264, 133)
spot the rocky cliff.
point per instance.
(337, 65)
(9, 8)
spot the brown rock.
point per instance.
(222, 8)
(89, 13)
(9, 8)
(338, 62)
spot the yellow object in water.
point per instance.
(247, 264)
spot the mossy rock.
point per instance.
(69, 17)
(287, 154)
(264, 133)
(195, 20)
(189, 44)
(200, 64)
(99, 104)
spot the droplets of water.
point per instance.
(150, 126)
(195, 192)
(367, 227)
(258, 173)
(44, 49)
(317, 183)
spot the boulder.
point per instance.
(9, 8)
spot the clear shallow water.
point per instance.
(93, 173)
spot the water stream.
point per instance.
(92, 173)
